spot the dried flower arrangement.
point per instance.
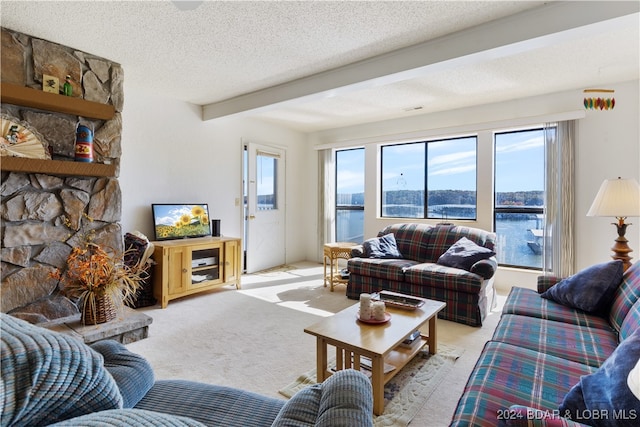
(100, 279)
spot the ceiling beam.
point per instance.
(518, 33)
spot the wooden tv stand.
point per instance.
(189, 266)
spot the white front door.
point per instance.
(265, 207)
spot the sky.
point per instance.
(451, 164)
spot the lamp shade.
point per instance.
(618, 198)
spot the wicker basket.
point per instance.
(101, 311)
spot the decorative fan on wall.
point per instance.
(18, 139)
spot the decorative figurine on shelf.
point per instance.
(50, 84)
(67, 88)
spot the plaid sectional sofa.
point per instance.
(542, 351)
(469, 295)
(49, 378)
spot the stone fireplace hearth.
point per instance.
(45, 214)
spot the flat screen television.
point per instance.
(180, 221)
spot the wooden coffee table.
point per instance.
(378, 342)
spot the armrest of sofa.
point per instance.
(485, 268)
(133, 373)
(546, 282)
(345, 399)
(524, 416)
(128, 418)
(357, 251)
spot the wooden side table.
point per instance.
(333, 252)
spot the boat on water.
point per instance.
(536, 235)
(535, 244)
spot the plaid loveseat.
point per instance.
(543, 352)
(469, 295)
(49, 378)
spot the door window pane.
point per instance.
(266, 176)
(350, 195)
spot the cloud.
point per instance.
(454, 170)
(349, 179)
(461, 156)
(527, 144)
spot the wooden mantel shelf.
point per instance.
(27, 97)
(56, 167)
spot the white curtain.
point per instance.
(326, 201)
(559, 199)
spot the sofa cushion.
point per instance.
(525, 416)
(132, 372)
(301, 409)
(625, 296)
(439, 276)
(345, 399)
(443, 236)
(49, 377)
(381, 247)
(590, 346)
(631, 322)
(527, 302)
(506, 375)
(412, 239)
(463, 254)
(606, 390)
(211, 404)
(128, 418)
(387, 269)
(591, 289)
(425, 243)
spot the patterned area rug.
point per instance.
(406, 393)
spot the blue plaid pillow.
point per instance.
(382, 247)
(463, 254)
(591, 290)
(603, 399)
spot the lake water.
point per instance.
(512, 236)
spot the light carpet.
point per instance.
(253, 338)
(408, 391)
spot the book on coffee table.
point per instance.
(411, 340)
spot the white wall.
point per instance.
(170, 155)
(607, 147)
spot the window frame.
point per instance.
(426, 196)
(338, 207)
(516, 209)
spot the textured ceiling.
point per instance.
(225, 50)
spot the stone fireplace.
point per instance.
(44, 214)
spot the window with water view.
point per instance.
(519, 197)
(350, 195)
(445, 169)
(438, 180)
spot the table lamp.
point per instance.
(619, 198)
